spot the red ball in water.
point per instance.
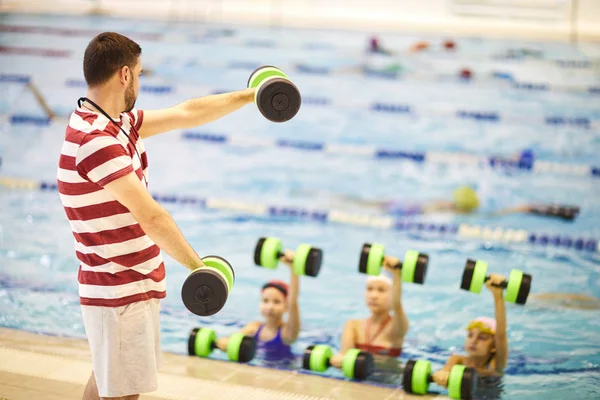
(449, 44)
(466, 73)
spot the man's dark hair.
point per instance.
(106, 54)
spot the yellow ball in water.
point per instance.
(465, 199)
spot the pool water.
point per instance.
(554, 352)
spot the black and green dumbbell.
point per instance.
(356, 364)
(517, 286)
(414, 264)
(206, 289)
(307, 259)
(277, 98)
(462, 381)
(203, 341)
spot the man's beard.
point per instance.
(130, 98)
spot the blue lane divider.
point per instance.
(75, 83)
(574, 64)
(465, 231)
(315, 70)
(20, 119)
(559, 120)
(316, 101)
(541, 87)
(391, 108)
(402, 155)
(525, 161)
(300, 144)
(15, 78)
(156, 89)
(478, 115)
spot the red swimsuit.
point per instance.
(379, 350)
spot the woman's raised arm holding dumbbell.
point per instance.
(273, 335)
(486, 342)
(382, 334)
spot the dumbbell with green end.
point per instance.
(276, 97)
(517, 286)
(239, 348)
(306, 260)
(461, 381)
(413, 267)
(355, 364)
(207, 288)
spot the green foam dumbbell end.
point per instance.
(371, 258)
(357, 364)
(201, 342)
(316, 358)
(518, 286)
(474, 275)
(262, 73)
(241, 348)
(307, 260)
(415, 378)
(414, 267)
(462, 382)
(267, 252)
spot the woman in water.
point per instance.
(464, 201)
(486, 342)
(274, 336)
(382, 334)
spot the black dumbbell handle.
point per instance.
(280, 254)
(502, 284)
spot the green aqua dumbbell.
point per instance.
(276, 96)
(413, 266)
(462, 381)
(356, 364)
(203, 341)
(517, 286)
(207, 288)
(307, 259)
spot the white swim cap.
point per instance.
(380, 278)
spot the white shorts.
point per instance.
(125, 344)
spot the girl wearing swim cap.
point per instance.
(274, 336)
(382, 333)
(486, 343)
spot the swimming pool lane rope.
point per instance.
(464, 231)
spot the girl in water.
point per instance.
(274, 335)
(382, 334)
(486, 342)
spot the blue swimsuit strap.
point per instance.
(276, 337)
(257, 334)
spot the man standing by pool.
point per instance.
(119, 228)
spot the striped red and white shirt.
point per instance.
(119, 263)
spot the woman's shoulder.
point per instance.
(251, 327)
(355, 322)
(457, 359)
